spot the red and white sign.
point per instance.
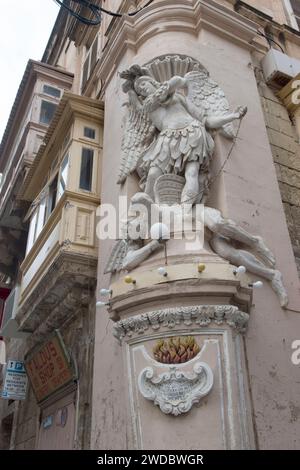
(49, 368)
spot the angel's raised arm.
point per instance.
(177, 82)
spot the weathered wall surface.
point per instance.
(250, 196)
(78, 336)
(286, 153)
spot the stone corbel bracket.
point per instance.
(170, 318)
(176, 391)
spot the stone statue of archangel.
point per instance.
(168, 131)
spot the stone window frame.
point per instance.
(90, 60)
(293, 20)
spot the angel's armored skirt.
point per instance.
(175, 147)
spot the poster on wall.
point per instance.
(49, 367)
(15, 382)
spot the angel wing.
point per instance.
(205, 93)
(118, 253)
(138, 134)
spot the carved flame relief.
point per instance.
(176, 350)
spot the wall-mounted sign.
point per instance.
(49, 367)
(15, 383)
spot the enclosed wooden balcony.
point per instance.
(37, 99)
(59, 270)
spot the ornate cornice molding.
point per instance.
(199, 315)
(188, 16)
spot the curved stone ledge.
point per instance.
(201, 315)
(67, 285)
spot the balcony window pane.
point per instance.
(32, 231)
(52, 194)
(89, 133)
(51, 197)
(41, 218)
(85, 72)
(64, 169)
(50, 90)
(86, 170)
(47, 112)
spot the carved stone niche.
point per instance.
(200, 403)
(166, 66)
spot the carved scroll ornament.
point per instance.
(175, 391)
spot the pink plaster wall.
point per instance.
(251, 197)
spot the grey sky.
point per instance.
(25, 29)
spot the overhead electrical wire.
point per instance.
(94, 21)
(96, 11)
(269, 38)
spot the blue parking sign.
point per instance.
(15, 383)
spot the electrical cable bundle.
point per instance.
(94, 9)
